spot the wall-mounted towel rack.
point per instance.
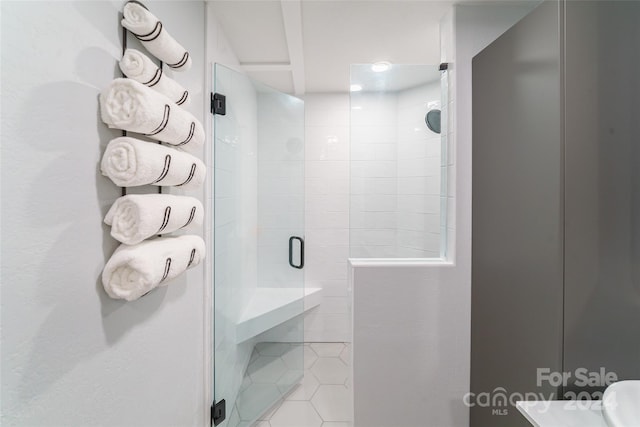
(165, 163)
(125, 34)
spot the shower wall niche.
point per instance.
(398, 203)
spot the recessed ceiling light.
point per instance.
(381, 66)
(355, 88)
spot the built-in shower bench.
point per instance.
(270, 307)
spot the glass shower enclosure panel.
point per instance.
(398, 161)
(258, 245)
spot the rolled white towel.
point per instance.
(154, 37)
(129, 105)
(136, 217)
(139, 67)
(129, 162)
(133, 271)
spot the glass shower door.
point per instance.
(258, 246)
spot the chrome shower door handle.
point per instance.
(301, 240)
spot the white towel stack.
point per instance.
(136, 217)
(154, 37)
(130, 162)
(133, 271)
(147, 102)
(132, 106)
(139, 67)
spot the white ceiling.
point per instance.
(300, 46)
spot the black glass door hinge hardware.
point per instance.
(218, 412)
(218, 104)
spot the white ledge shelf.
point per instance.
(270, 307)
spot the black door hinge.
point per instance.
(218, 412)
(218, 104)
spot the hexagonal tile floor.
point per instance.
(323, 397)
(296, 414)
(326, 388)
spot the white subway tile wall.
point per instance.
(373, 189)
(280, 153)
(327, 215)
(374, 175)
(396, 171)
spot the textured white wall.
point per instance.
(70, 355)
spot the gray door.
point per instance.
(602, 256)
(517, 216)
(556, 205)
